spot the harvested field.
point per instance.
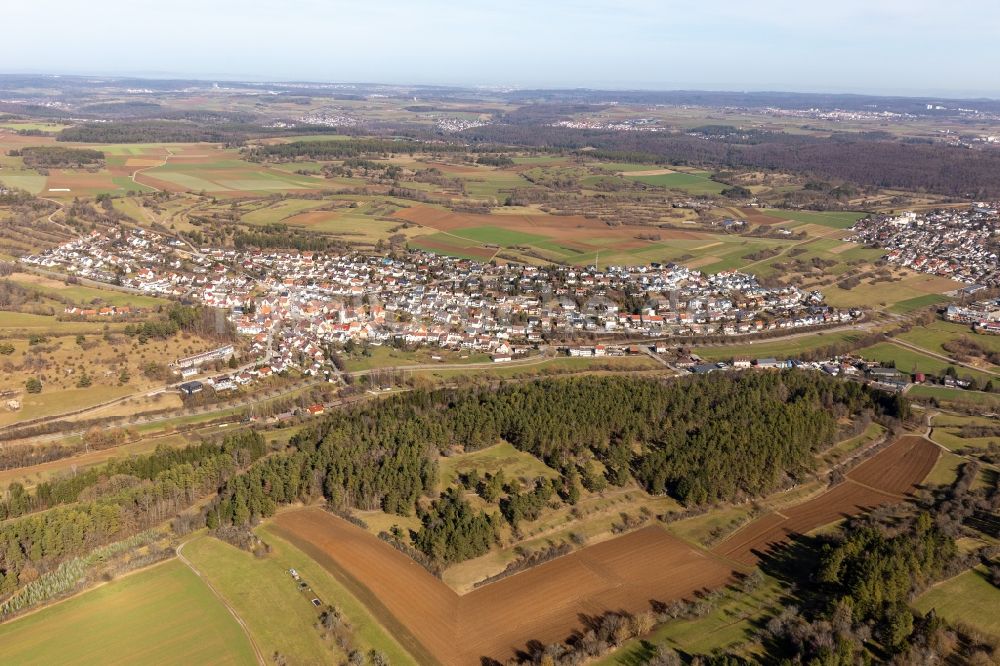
(567, 231)
(470, 251)
(546, 603)
(646, 172)
(143, 162)
(702, 261)
(79, 181)
(754, 216)
(883, 479)
(900, 467)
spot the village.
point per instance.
(984, 316)
(956, 243)
(296, 308)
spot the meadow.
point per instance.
(935, 335)
(832, 219)
(280, 617)
(908, 361)
(780, 349)
(695, 182)
(83, 295)
(944, 394)
(163, 614)
(502, 456)
(969, 598)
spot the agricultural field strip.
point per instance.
(886, 477)
(496, 620)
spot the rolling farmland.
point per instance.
(498, 619)
(545, 603)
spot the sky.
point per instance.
(910, 47)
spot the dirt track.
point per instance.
(882, 479)
(546, 603)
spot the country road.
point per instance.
(940, 357)
(135, 173)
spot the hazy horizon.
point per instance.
(879, 47)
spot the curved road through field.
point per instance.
(941, 357)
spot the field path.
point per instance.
(135, 173)
(52, 215)
(232, 611)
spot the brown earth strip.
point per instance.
(882, 479)
(549, 602)
(754, 216)
(546, 603)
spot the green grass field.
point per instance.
(24, 180)
(730, 627)
(779, 348)
(51, 402)
(697, 182)
(14, 322)
(951, 395)
(917, 303)
(497, 236)
(368, 632)
(515, 464)
(945, 471)
(832, 219)
(40, 126)
(932, 337)
(842, 449)
(278, 211)
(554, 366)
(381, 357)
(162, 615)
(949, 437)
(909, 361)
(83, 295)
(280, 617)
(968, 598)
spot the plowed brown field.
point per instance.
(882, 479)
(551, 601)
(546, 603)
(754, 216)
(557, 227)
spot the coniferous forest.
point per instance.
(698, 439)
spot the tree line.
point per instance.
(59, 157)
(699, 439)
(149, 490)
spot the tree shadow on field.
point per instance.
(795, 564)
